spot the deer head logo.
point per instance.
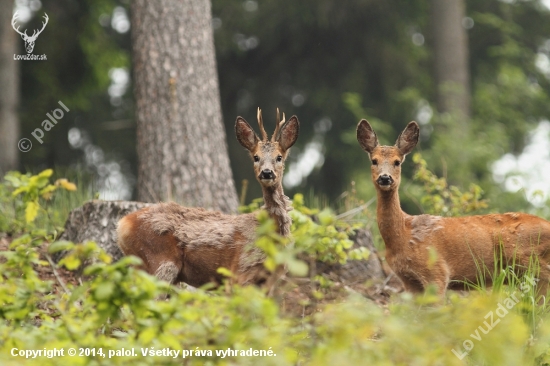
(29, 40)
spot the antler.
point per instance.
(15, 16)
(261, 123)
(278, 127)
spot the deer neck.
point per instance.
(391, 219)
(277, 206)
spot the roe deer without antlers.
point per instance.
(463, 245)
(182, 244)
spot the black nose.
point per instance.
(267, 174)
(385, 180)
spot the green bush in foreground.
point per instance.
(113, 317)
(116, 311)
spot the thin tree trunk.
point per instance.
(450, 45)
(181, 142)
(9, 91)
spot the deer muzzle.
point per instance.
(384, 180)
(267, 174)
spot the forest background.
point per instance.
(329, 62)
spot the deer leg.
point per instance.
(439, 275)
(442, 285)
(542, 280)
(411, 283)
(540, 271)
(533, 275)
(167, 271)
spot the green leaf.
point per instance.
(70, 262)
(94, 269)
(47, 191)
(45, 173)
(24, 239)
(20, 190)
(31, 211)
(104, 290)
(37, 181)
(78, 292)
(59, 246)
(130, 261)
(326, 217)
(298, 268)
(225, 272)
(104, 257)
(13, 178)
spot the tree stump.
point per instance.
(356, 271)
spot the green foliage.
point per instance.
(23, 295)
(372, 67)
(381, 75)
(316, 235)
(354, 104)
(116, 307)
(324, 238)
(279, 251)
(441, 199)
(31, 194)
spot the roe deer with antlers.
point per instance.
(462, 245)
(182, 244)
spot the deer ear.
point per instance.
(366, 136)
(408, 139)
(289, 133)
(245, 134)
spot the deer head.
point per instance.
(269, 155)
(386, 160)
(29, 40)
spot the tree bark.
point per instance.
(9, 91)
(181, 142)
(450, 46)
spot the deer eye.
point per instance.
(256, 158)
(374, 162)
(396, 163)
(279, 158)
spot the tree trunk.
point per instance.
(450, 46)
(182, 151)
(9, 91)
